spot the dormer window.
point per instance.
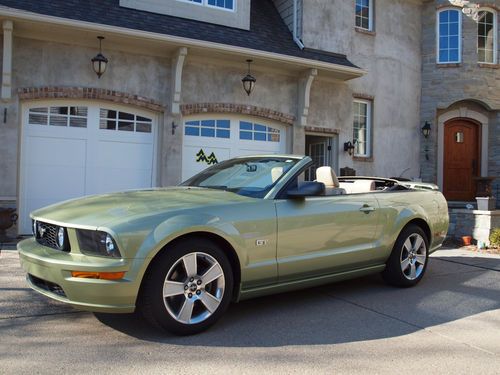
(223, 4)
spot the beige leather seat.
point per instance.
(276, 173)
(327, 176)
(358, 186)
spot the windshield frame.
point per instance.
(271, 190)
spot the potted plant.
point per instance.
(485, 200)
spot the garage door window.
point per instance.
(208, 128)
(124, 121)
(75, 117)
(257, 132)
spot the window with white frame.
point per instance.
(486, 37)
(364, 14)
(223, 4)
(362, 128)
(449, 35)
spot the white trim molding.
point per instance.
(466, 113)
(7, 60)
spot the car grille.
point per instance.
(47, 235)
(46, 285)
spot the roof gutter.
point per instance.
(295, 25)
(12, 13)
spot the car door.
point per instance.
(326, 234)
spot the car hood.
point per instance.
(101, 210)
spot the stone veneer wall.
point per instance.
(471, 85)
(475, 223)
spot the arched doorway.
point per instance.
(462, 159)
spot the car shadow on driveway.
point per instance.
(350, 311)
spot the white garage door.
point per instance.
(72, 149)
(211, 139)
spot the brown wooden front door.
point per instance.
(461, 160)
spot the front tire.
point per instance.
(409, 257)
(188, 288)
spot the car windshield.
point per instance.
(251, 177)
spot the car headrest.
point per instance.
(276, 173)
(327, 176)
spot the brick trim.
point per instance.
(479, 5)
(55, 92)
(196, 108)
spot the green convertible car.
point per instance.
(243, 228)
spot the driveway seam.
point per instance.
(407, 323)
(466, 264)
(41, 315)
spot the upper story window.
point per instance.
(486, 37)
(449, 31)
(224, 4)
(364, 14)
(362, 128)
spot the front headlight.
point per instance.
(98, 243)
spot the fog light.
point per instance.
(60, 237)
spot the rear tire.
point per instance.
(188, 287)
(409, 257)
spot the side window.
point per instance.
(449, 36)
(364, 14)
(487, 37)
(362, 128)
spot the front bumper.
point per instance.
(49, 273)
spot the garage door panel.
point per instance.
(49, 151)
(197, 158)
(67, 154)
(241, 137)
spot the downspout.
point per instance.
(295, 25)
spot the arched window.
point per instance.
(486, 37)
(449, 36)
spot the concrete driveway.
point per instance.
(449, 323)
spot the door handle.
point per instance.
(367, 209)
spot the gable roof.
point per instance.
(267, 31)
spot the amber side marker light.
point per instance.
(98, 275)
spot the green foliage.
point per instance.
(495, 237)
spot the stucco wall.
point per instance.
(469, 84)
(36, 64)
(391, 55)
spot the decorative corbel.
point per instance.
(305, 83)
(177, 66)
(7, 60)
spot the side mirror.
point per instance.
(307, 189)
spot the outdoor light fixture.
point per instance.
(349, 147)
(248, 80)
(99, 62)
(426, 129)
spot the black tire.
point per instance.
(171, 262)
(395, 272)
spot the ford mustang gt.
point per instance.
(243, 228)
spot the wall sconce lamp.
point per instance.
(426, 129)
(174, 127)
(99, 62)
(349, 147)
(248, 80)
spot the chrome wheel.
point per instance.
(413, 256)
(193, 288)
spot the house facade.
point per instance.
(171, 102)
(461, 96)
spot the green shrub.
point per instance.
(495, 237)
